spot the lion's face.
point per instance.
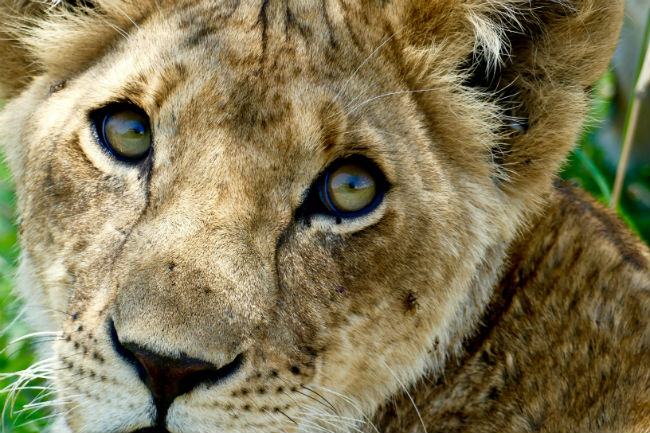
(203, 286)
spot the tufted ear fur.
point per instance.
(531, 62)
(58, 37)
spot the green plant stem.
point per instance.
(632, 116)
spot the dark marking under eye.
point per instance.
(410, 302)
(57, 87)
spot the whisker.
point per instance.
(384, 95)
(16, 319)
(350, 420)
(274, 416)
(129, 18)
(362, 93)
(302, 393)
(324, 399)
(314, 425)
(356, 71)
(35, 334)
(352, 403)
(39, 371)
(40, 399)
(281, 412)
(408, 394)
(346, 422)
(49, 416)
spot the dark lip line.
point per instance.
(155, 429)
(208, 378)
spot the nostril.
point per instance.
(168, 377)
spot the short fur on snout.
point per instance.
(480, 295)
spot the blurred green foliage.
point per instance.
(14, 356)
(590, 167)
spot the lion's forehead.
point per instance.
(258, 66)
(245, 109)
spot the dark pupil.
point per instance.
(131, 127)
(350, 188)
(127, 133)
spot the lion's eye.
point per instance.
(125, 132)
(351, 188)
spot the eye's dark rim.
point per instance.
(98, 119)
(318, 202)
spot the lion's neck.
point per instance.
(476, 369)
(556, 309)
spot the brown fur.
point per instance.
(500, 302)
(553, 341)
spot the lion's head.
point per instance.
(271, 216)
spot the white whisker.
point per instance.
(408, 394)
(39, 371)
(334, 420)
(384, 95)
(280, 423)
(362, 93)
(363, 63)
(352, 403)
(314, 425)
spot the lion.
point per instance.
(336, 216)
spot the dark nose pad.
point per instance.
(168, 377)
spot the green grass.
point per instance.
(13, 356)
(588, 166)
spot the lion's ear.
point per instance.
(58, 37)
(534, 60)
(17, 65)
(569, 41)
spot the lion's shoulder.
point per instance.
(568, 324)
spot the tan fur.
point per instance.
(476, 297)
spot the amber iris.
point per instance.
(349, 188)
(127, 133)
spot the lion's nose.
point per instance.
(168, 377)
